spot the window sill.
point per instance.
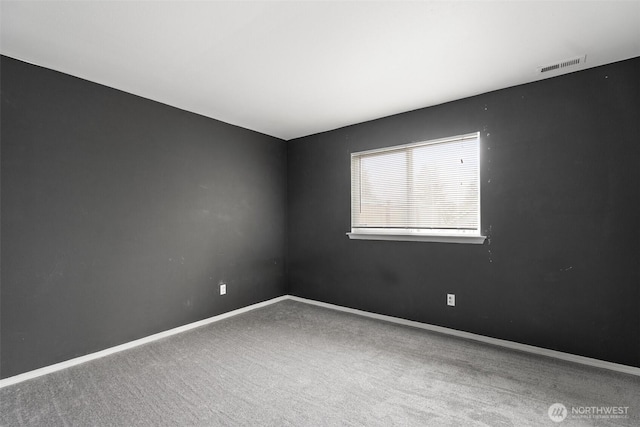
(474, 240)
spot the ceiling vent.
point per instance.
(571, 62)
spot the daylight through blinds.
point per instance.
(431, 185)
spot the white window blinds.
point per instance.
(426, 187)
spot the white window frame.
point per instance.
(415, 234)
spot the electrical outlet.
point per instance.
(223, 288)
(451, 300)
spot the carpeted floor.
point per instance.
(300, 365)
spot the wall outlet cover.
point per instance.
(451, 300)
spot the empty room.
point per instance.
(305, 213)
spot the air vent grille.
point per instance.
(571, 62)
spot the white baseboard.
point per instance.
(131, 344)
(495, 341)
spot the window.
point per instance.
(425, 191)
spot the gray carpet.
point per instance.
(295, 364)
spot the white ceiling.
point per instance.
(294, 68)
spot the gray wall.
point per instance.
(560, 191)
(120, 216)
